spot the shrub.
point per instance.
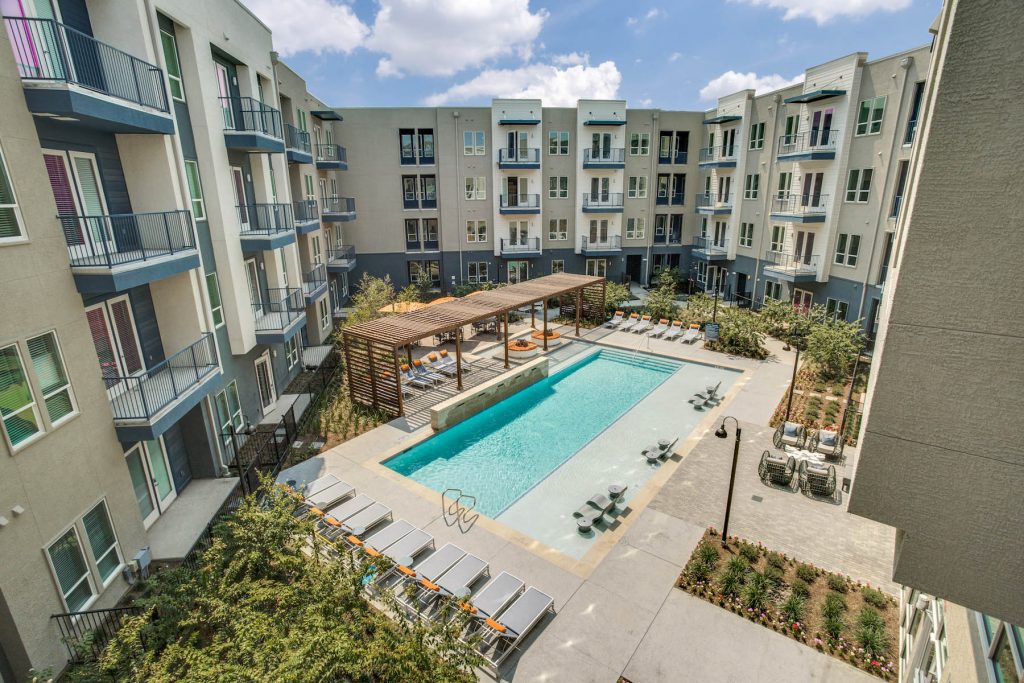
(615, 294)
(834, 625)
(833, 606)
(707, 553)
(749, 552)
(756, 592)
(730, 583)
(837, 583)
(699, 570)
(832, 346)
(773, 574)
(874, 597)
(776, 560)
(806, 572)
(737, 565)
(740, 334)
(875, 641)
(870, 618)
(793, 609)
(800, 588)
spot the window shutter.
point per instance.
(130, 352)
(69, 566)
(65, 197)
(104, 348)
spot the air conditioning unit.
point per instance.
(923, 603)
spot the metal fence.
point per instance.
(86, 634)
(247, 114)
(296, 139)
(117, 239)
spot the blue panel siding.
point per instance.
(75, 14)
(145, 322)
(178, 455)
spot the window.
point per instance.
(635, 228)
(859, 185)
(785, 181)
(869, 117)
(750, 186)
(558, 142)
(229, 411)
(772, 290)
(778, 237)
(173, 66)
(847, 248)
(314, 244)
(915, 113)
(17, 404)
(1003, 645)
(476, 187)
(53, 380)
(291, 350)
(557, 266)
(476, 231)
(746, 234)
(836, 309)
(473, 143)
(68, 563)
(478, 272)
(558, 187)
(325, 313)
(558, 229)
(639, 144)
(637, 187)
(901, 184)
(757, 135)
(195, 189)
(102, 542)
(10, 214)
(596, 267)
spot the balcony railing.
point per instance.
(331, 153)
(48, 51)
(283, 306)
(522, 245)
(86, 634)
(525, 155)
(720, 153)
(296, 139)
(798, 204)
(615, 155)
(306, 210)
(247, 114)
(817, 140)
(520, 201)
(791, 263)
(602, 200)
(672, 157)
(341, 255)
(140, 397)
(713, 200)
(314, 279)
(610, 243)
(711, 245)
(114, 240)
(339, 205)
(265, 219)
(669, 238)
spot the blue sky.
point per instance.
(672, 55)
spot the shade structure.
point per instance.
(402, 307)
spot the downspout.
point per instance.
(645, 273)
(459, 190)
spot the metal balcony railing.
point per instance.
(669, 238)
(793, 263)
(521, 245)
(86, 634)
(711, 245)
(341, 254)
(331, 153)
(315, 278)
(602, 200)
(296, 139)
(718, 153)
(610, 243)
(800, 204)
(614, 155)
(306, 210)
(282, 306)
(520, 201)
(265, 219)
(114, 240)
(247, 114)
(823, 140)
(525, 155)
(140, 397)
(713, 200)
(45, 50)
(339, 205)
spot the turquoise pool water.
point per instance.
(501, 453)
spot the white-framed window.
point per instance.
(757, 135)
(772, 290)
(847, 249)
(858, 186)
(785, 182)
(68, 563)
(751, 185)
(1003, 646)
(746, 234)
(11, 223)
(836, 309)
(195, 189)
(229, 410)
(637, 187)
(476, 187)
(476, 231)
(558, 187)
(557, 266)
(597, 267)
(639, 144)
(477, 272)
(325, 313)
(291, 350)
(558, 142)
(636, 228)
(778, 237)
(473, 143)
(48, 364)
(170, 47)
(869, 116)
(19, 410)
(558, 229)
(20, 404)
(102, 542)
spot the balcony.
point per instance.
(524, 246)
(527, 157)
(307, 216)
(280, 315)
(799, 208)
(717, 157)
(711, 249)
(669, 239)
(512, 204)
(147, 404)
(117, 252)
(609, 245)
(338, 209)
(314, 283)
(674, 198)
(265, 226)
(815, 145)
(296, 145)
(604, 158)
(341, 259)
(604, 202)
(71, 76)
(331, 157)
(251, 126)
(789, 267)
(713, 204)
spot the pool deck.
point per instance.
(617, 612)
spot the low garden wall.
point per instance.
(470, 402)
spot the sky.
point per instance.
(678, 54)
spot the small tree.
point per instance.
(661, 301)
(699, 308)
(615, 294)
(832, 346)
(777, 317)
(740, 333)
(372, 294)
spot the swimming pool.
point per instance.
(500, 454)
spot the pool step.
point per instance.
(641, 360)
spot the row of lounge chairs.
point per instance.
(429, 371)
(644, 325)
(828, 442)
(593, 511)
(503, 610)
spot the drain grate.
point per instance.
(757, 499)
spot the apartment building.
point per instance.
(165, 240)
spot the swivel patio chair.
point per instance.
(777, 469)
(828, 442)
(818, 480)
(790, 434)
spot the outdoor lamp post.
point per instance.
(722, 434)
(792, 383)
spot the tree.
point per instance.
(615, 294)
(739, 332)
(372, 294)
(699, 308)
(832, 346)
(777, 317)
(661, 301)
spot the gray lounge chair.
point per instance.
(387, 536)
(494, 597)
(402, 552)
(319, 484)
(460, 577)
(324, 498)
(593, 511)
(420, 370)
(330, 524)
(436, 564)
(365, 519)
(615, 320)
(659, 451)
(691, 334)
(503, 635)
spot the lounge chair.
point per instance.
(643, 325)
(409, 378)
(420, 371)
(330, 522)
(365, 519)
(318, 484)
(503, 634)
(659, 329)
(818, 480)
(630, 323)
(593, 511)
(447, 360)
(453, 582)
(827, 442)
(406, 391)
(673, 331)
(493, 597)
(659, 451)
(790, 434)
(777, 469)
(384, 538)
(615, 320)
(712, 391)
(432, 362)
(402, 552)
(324, 498)
(691, 334)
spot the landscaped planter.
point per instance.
(554, 338)
(520, 349)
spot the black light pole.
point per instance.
(849, 396)
(721, 434)
(792, 383)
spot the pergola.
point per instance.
(372, 348)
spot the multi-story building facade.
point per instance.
(165, 241)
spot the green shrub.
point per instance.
(730, 583)
(837, 583)
(800, 588)
(707, 553)
(749, 552)
(832, 346)
(875, 641)
(776, 560)
(756, 592)
(833, 606)
(773, 574)
(874, 597)
(870, 618)
(793, 609)
(698, 570)
(615, 294)
(737, 565)
(806, 572)
(811, 413)
(834, 625)
(740, 334)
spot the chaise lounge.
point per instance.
(615, 320)
(505, 633)
(660, 450)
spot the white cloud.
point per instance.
(310, 25)
(674, 57)
(731, 82)
(632, 21)
(571, 59)
(646, 102)
(652, 13)
(557, 87)
(443, 37)
(823, 11)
